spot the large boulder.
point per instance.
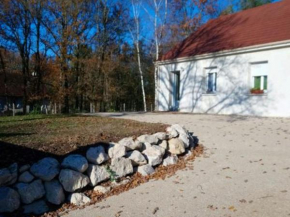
(97, 155)
(24, 168)
(9, 200)
(30, 192)
(170, 160)
(180, 129)
(154, 154)
(137, 158)
(78, 199)
(130, 144)
(97, 174)
(116, 150)
(161, 135)
(185, 139)
(54, 192)
(176, 146)
(38, 207)
(164, 144)
(25, 177)
(121, 166)
(75, 162)
(72, 180)
(45, 169)
(171, 132)
(146, 170)
(152, 139)
(183, 134)
(8, 176)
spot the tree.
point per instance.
(15, 30)
(247, 4)
(135, 33)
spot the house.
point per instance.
(235, 64)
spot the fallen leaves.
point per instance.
(232, 208)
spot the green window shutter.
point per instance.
(257, 82)
(265, 85)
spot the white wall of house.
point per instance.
(234, 80)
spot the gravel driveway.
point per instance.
(245, 172)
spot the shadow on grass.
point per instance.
(8, 119)
(5, 135)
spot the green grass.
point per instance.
(59, 135)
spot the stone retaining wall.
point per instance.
(33, 188)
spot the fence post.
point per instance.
(13, 109)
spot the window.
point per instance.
(259, 77)
(211, 80)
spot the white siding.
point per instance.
(233, 85)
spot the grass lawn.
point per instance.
(26, 139)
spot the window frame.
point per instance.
(262, 76)
(207, 71)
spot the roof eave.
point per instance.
(249, 49)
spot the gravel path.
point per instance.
(245, 172)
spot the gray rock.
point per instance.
(152, 139)
(146, 170)
(172, 133)
(97, 174)
(180, 129)
(97, 155)
(9, 200)
(116, 150)
(130, 144)
(24, 168)
(37, 208)
(54, 192)
(185, 139)
(164, 144)
(176, 146)
(170, 160)
(102, 189)
(145, 146)
(121, 166)
(72, 180)
(30, 192)
(183, 134)
(154, 155)
(78, 199)
(137, 158)
(8, 176)
(26, 177)
(161, 135)
(75, 162)
(45, 169)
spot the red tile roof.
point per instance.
(256, 26)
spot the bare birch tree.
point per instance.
(136, 7)
(158, 18)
